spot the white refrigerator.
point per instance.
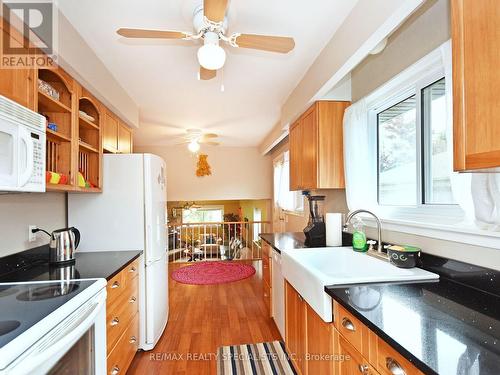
(130, 215)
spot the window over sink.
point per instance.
(414, 147)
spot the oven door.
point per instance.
(76, 346)
(9, 143)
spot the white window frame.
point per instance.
(205, 208)
(412, 81)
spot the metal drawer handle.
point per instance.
(115, 370)
(347, 324)
(133, 339)
(363, 369)
(132, 269)
(132, 299)
(115, 285)
(115, 321)
(394, 367)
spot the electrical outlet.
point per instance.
(31, 235)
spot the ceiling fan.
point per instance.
(195, 137)
(210, 25)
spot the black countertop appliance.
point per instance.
(315, 230)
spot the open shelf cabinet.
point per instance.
(56, 103)
(89, 120)
(74, 145)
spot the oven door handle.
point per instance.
(49, 350)
(25, 176)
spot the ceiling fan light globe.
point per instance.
(211, 56)
(193, 146)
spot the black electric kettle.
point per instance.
(63, 244)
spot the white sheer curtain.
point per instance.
(283, 197)
(359, 164)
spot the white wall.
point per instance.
(79, 60)
(17, 211)
(237, 173)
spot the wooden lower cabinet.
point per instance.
(320, 353)
(266, 277)
(295, 328)
(122, 317)
(344, 347)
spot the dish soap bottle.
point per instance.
(359, 236)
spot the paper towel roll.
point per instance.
(333, 224)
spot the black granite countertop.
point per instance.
(32, 265)
(448, 327)
(286, 240)
(444, 327)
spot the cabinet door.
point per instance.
(320, 344)
(124, 139)
(352, 362)
(17, 84)
(295, 328)
(110, 133)
(295, 143)
(476, 83)
(309, 127)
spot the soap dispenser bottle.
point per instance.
(359, 236)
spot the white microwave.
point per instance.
(22, 148)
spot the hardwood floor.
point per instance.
(204, 317)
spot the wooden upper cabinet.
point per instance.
(124, 139)
(310, 155)
(316, 147)
(476, 83)
(16, 84)
(110, 132)
(295, 146)
(116, 136)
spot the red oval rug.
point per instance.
(207, 273)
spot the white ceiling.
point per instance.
(161, 76)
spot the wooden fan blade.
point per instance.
(279, 44)
(206, 74)
(209, 136)
(215, 10)
(144, 33)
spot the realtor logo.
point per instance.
(29, 36)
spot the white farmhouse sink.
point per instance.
(310, 270)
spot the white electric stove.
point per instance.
(53, 327)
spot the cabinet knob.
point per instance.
(132, 269)
(363, 369)
(394, 367)
(115, 285)
(132, 299)
(133, 339)
(347, 324)
(115, 321)
(115, 370)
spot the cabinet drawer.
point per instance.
(352, 362)
(120, 312)
(119, 282)
(121, 356)
(390, 362)
(350, 327)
